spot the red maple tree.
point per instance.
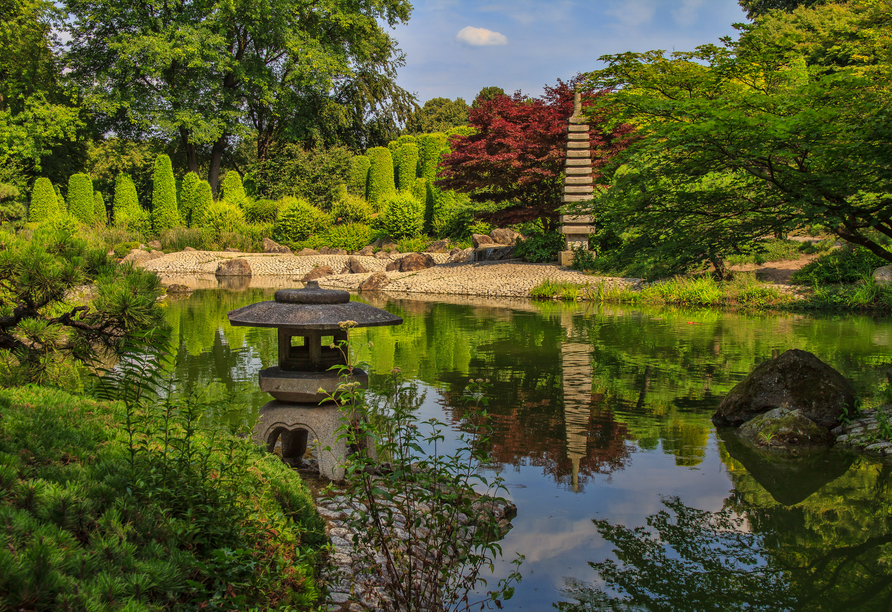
(518, 151)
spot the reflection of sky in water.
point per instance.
(649, 379)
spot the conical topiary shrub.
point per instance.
(80, 198)
(187, 200)
(408, 166)
(126, 211)
(165, 214)
(381, 184)
(433, 146)
(100, 214)
(204, 198)
(233, 190)
(44, 203)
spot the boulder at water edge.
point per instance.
(233, 267)
(271, 246)
(785, 429)
(317, 272)
(375, 282)
(412, 263)
(353, 266)
(796, 380)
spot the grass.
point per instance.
(553, 290)
(185, 519)
(780, 250)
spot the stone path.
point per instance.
(500, 278)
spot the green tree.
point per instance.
(358, 175)
(11, 208)
(213, 72)
(204, 199)
(44, 203)
(431, 147)
(438, 115)
(80, 198)
(165, 214)
(381, 181)
(295, 171)
(779, 130)
(486, 94)
(757, 8)
(188, 199)
(233, 190)
(100, 214)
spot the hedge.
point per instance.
(408, 167)
(433, 146)
(358, 175)
(187, 201)
(100, 214)
(233, 190)
(44, 203)
(165, 214)
(381, 183)
(403, 216)
(80, 198)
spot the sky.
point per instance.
(454, 48)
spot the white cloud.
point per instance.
(480, 37)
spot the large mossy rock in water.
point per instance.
(796, 380)
(785, 429)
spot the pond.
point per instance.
(603, 434)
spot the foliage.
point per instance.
(519, 147)
(100, 214)
(358, 175)
(845, 265)
(757, 8)
(221, 217)
(555, 290)
(297, 220)
(261, 211)
(438, 115)
(402, 217)
(381, 179)
(312, 174)
(122, 249)
(126, 211)
(773, 249)
(107, 158)
(352, 209)
(584, 260)
(233, 190)
(274, 71)
(407, 169)
(44, 203)
(762, 136)
(80, 198)
(189, 198)
(540, 247)
(439, 561)
(487, 93)
(12, 211)
(347, 236)
(165, 213)
(204, 199)
(44, 333)
(431, 148)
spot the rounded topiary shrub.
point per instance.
(165, 213)
(44, 203)
(80, 198)
(403, 216)
(432, 147)
(261, 211)
(297, 220)
(381, 184)
(408, 166)
(352, 209)
(358, 175)
(221, 217)
(349, 236)
(233, 190)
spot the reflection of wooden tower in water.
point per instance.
(576, 366)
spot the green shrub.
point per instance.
(461, 130)
(352, 209)
(204, 198)
(233, 190)
(381, 183)
(165, 213)
(849, 264)
(358, 175)
(80, 198)
(252, 236)
(407, 170)
(403, 217)
(541, 247)
(432, 147)
(178, 238)
(261, 211)
(122, 249)
(44, 203)
(127, 214)
(349, 236)
(297, 220)
(188, 199)
(419, 189)
(311, 174)
(12, 211)
(63, 206)
(221, 216)
(100, 214)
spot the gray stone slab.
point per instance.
(581, 170)
(577, 128)
(577, 229)
(586, 153)
(579, 180)
(577, 136)
(578, 121)
(585, 189)
(576, 198)
(310, 316)
(578, 219)
(572, 161)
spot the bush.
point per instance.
(204, 199)
(188, 199)
(381, 183)
(407, 169)
(403, 217)
(44, 203)
(433, 146)
(358, 175)
(165, 214)
(849, 264)
(80, 198)
(11, 210)
(261, 211)
(350, 236)
(352, 209)
(122, 249)
(541, 247)
(100, 213)
(233, 190)
(310, 174)
(297, 220)
(221, 216)
(127, 214)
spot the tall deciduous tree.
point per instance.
(519, 148)
(209, 72)
(777, 131)
(755, 8)
(438, 115)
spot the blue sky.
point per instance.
(456, 47)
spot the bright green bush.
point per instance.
(178, 238)
(381, 183)
(204, 198)
(126, 212)
(419, 189)
(233, 190)
(261, 211)
(358, 175)
(80, 198)
(848, 264)
(297, 220)
(461, 130)
(220, 217)
(407, 171)
(188, 198)
(403, 217)
(12, 211)
(44, 203)
(541, 247)
(100, 214)
(165, 213)
(352, 209)
(122, 249)
(433, 146)
(349, 236)
(311, 174)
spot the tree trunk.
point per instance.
(216, 160)
(189, 148)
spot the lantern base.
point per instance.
(302, 425)
(303, 387)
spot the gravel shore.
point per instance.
(511, 278)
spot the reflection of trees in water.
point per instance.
(831, 552)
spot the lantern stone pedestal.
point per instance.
(312, 323)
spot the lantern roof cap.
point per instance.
(311, 308)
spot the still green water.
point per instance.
(602, 430)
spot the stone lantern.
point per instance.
(308, 321)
